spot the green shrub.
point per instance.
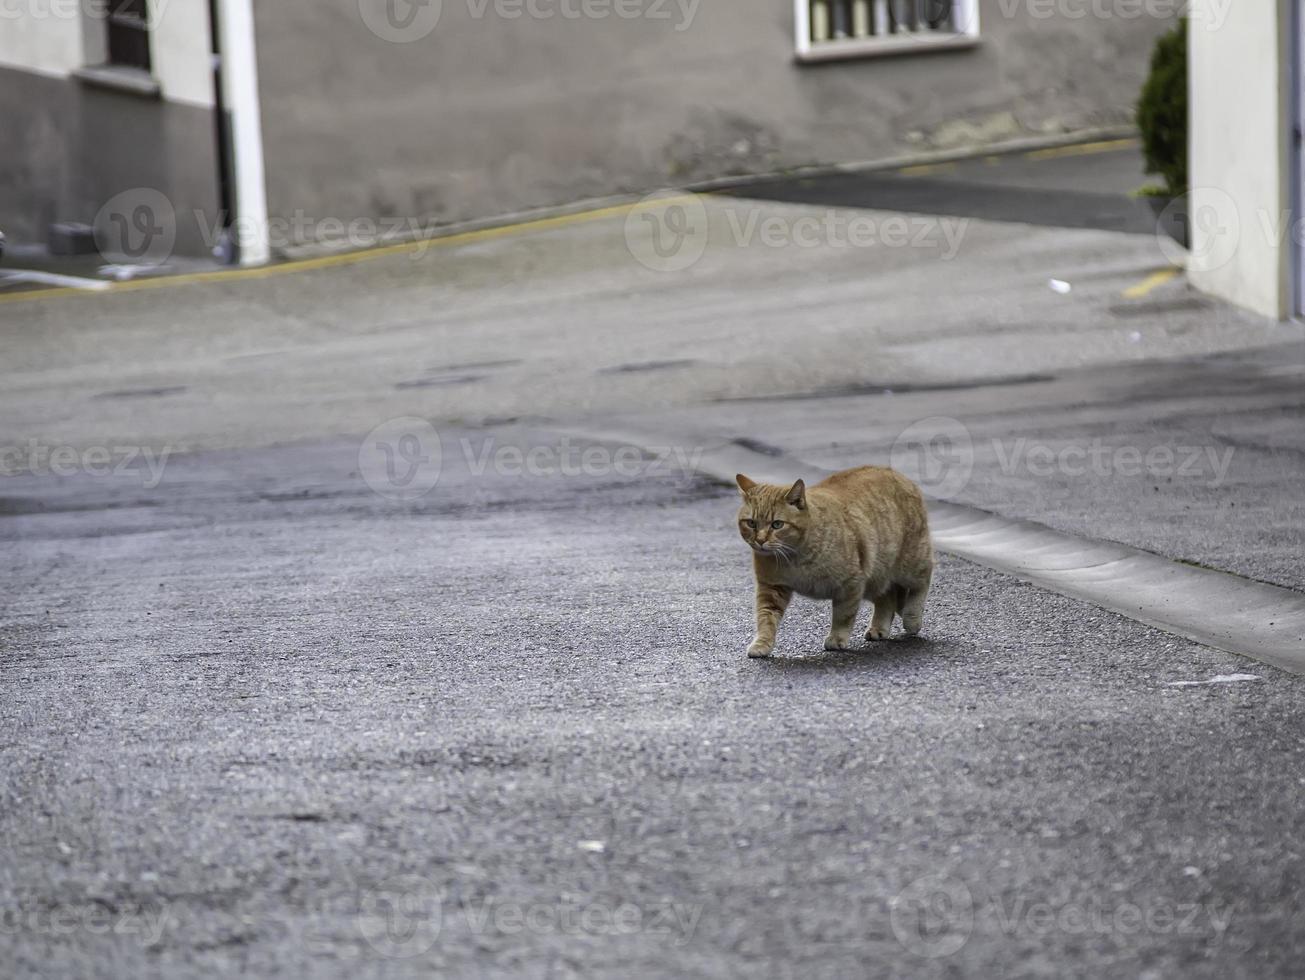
(1162, 110)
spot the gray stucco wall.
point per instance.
(488, 115)
(69, 148)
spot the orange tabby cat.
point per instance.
(859, 534)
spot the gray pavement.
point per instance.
(1198, 460)
(1086, 186)
(263, 720)
(266, 711)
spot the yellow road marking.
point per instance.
(1157, 278)
(348, 258)
(920, 169)
(1081, 149)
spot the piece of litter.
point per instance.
(593, 846)
(1059, 286)
(125, 273)
(1192, 872)
(1135, 337)
(1218, 679)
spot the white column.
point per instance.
(240, 93)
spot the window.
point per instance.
(128, 38)
(829, 29)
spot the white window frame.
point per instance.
(965, 34)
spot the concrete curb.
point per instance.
(1215, 608)
(311, 250)
(1023, 144)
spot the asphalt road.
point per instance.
(260, 719)
(266, 709)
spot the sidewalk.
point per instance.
(1198, 460)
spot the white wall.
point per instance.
(180, 48)
(56, 37)
(1239, 97)
(44, 37)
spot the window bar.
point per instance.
(903, 16)
(819, 20)
(881, 19)
(841, 26)
(860, 18)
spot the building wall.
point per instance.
(71, 146)
(1239, 162)
(489, 114)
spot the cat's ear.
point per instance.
(744, 483)
(797, 495)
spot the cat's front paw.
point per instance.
(875, 633)
(760, 648)
(835, 642)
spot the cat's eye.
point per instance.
(751, 524)
(776, 524)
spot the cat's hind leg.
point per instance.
(881, 624)
(913, 604)
(846, 606)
